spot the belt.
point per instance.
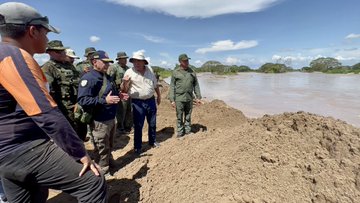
(153, 97)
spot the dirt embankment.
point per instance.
(291, 157)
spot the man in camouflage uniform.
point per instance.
(124, 114)
(85, 65)
(63, 82)
(70, 57)
(183, 85)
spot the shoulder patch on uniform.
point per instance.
(83, 83)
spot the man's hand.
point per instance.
(123, 96)
(198, 102)
(173, 104)
(110, 99)
(88, 163)
(158, 100)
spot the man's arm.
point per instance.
(158, 98)
(27, 84)
(197, 89)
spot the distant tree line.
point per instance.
(330, 65)
(324, 65)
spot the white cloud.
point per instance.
(198, 8)
(284, 59)
(153, 39)
(348, 55)
(231, 60)
(166, 64)
(352, 36)
(94, 39)
(227, 45)
(199, 62)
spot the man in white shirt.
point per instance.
(141, 84)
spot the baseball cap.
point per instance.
(183, 57)
(102, 55)
(22, 14)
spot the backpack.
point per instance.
(86, 116)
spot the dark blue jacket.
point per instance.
(88, 95)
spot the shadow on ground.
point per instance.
(119, 190)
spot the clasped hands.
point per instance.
(114, 99)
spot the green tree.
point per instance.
(356, 68)
(274, 68)
(324, 64)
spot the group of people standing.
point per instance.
(41, 137)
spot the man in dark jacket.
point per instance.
(38, 147)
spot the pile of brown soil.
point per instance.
(291, 157)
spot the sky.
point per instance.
(233, 32)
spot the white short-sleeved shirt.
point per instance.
(141, 86)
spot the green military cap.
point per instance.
(56, 45)
(183, 57)
(89, 50)
(121, 55)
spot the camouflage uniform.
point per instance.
(85, 65)
(63, 82)
(183, 85)
(124, 113)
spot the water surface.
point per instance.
(256, 94)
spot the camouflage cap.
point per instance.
(22, 14)
(183, 57)
(121, 55)
(56, 45)
(89, 50)
(102, 55)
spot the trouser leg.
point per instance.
(151, 120)
(81, 130)
(187, 111)
(128, 118)
(120, 113)
(179, 117)
(101, 133)
(139, 118)
(29, 173)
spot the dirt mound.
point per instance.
(291, 157)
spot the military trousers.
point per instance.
(103, 138)
(183, 115)
(124, 115)
(29, 172)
